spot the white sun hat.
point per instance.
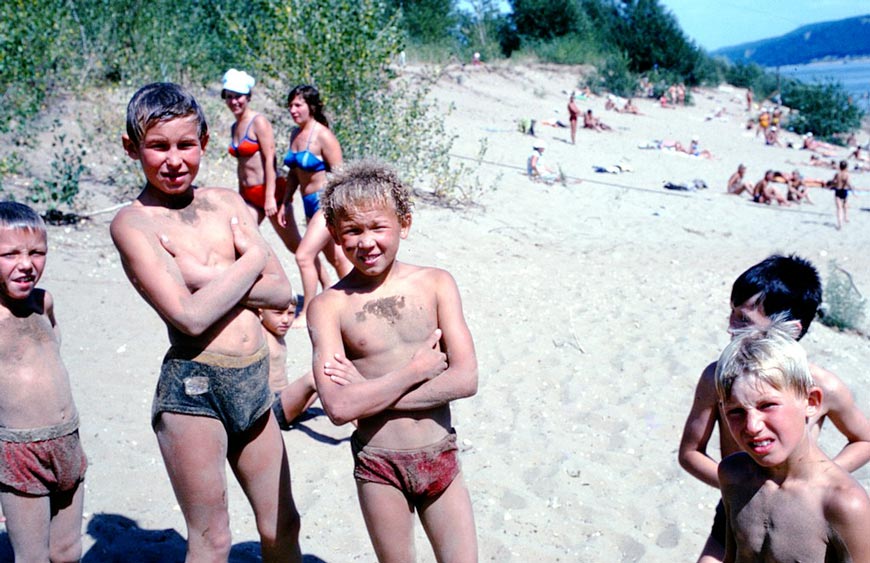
(238, 81)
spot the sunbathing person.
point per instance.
(629, 107)
(737, 184)
(797, 187)
(591, 122)
(824, 149)
(764, 192)
(693, 149)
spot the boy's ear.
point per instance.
(204, 140)
(814, 401)
(405, 223)
(333, 234)
(129, 147)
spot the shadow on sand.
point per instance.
(118, 539)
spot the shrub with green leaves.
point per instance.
(823, 108)
(67, 167)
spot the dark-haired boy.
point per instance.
(779, 284)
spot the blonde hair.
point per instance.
(772, 355)
(362, 185)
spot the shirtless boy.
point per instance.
(402, 328)
(196, 256)
(841, 184)
(785, 500)
(763, 192)
(786, 285)
(43, 468)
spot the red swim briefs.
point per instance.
(420, 474)
(256, 195)
(43, 467)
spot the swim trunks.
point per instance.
(41, 467)
(420, 474)
(232, 389)
(841, 193)
(311, 204)
(256, 195)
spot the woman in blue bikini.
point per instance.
(314, 151)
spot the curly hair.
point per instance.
(364, 184)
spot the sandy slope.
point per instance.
(594, 308)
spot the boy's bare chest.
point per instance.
(389, 321)
(782, 525)
(24, 338)
(205, 235)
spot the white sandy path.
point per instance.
(594, 307)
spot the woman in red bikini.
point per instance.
(252, 142)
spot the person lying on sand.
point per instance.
(824, 149)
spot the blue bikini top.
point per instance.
(304, 160)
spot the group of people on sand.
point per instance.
(782, 497)
(197, 257)
(797, 186)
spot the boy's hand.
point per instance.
(429, 361)
(195, 274)
(342, 371)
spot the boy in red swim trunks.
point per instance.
(401, 327)
(42, 465)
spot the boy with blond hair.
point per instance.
(789, 286)
(785, 500)
(401, 327)
(197, 258)
(43, 468)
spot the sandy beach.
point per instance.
(594, 307)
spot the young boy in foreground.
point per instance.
(196, 256)
(785, 500)
(401, 327)
(43, 465)
(790, 286)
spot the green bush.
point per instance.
(67, 168)
(822, 108)
(614, 75)
(568, 49)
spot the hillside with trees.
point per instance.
(826, 40)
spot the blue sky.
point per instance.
(722, 23)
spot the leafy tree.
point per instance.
(547, 19)
(482, 27)
(426, 21)
(823, 108)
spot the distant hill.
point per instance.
(834, 40)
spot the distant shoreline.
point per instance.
(825, 62)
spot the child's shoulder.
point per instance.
(827, 380)
(427, 273)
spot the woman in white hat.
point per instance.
(535, 166)
(252, 143)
